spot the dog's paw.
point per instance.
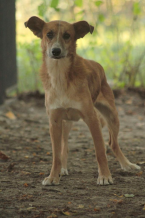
(50, 181)
(104, 180)
(64, 172)
(130, 166)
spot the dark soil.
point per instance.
(25, 140)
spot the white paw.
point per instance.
(104, 180)
(130, 166)
(50, 181)
(64, 172)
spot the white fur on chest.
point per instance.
(63, 101)
(58, 94)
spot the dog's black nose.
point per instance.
(56, 51)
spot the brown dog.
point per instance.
(75, 88)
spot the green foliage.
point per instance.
(136, 8)
(54, 3)
(29, 62)
(101, 18)
(79, 3)
(98, 3)
(117, 42)
(41, 9)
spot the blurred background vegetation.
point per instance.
(118, 42)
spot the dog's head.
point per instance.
(58, 37)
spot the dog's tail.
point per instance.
(105, 113)
(101, 119)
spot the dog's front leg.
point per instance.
(55, 126)
(91, 118)
(66, 127)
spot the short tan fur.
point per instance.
(75, 88)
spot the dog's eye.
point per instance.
(50, 35)
(66, 36)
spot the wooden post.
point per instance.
(8, 70)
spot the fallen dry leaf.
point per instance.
(129, 101)
(130, 112)
(48, 153)
(3, 156)
(96, 209)
(52, 215)
(117, 201)
(81, 136)
(67, 213)
(139, 173)
(75, 129)
(120, 109)
(41, 174)
(81, 206)
(25, 173)
(31, 208)
(10, 115)
(118, 195)
(26, 185)
(129, 195)
(25, 197)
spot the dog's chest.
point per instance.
(59, 99)
(60, 94)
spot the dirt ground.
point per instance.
(25, 140)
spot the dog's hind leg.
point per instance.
(66, 127)
(105, 104)
(91, 118)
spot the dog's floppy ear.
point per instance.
(82, 28)
(35, 24)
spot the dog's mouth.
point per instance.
(55, 57)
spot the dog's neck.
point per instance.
(58, 70)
